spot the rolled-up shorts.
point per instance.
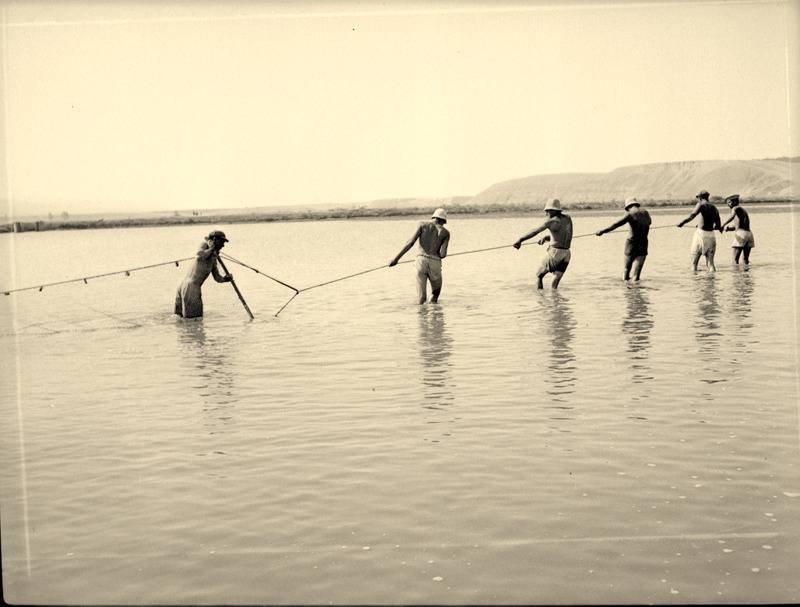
(555, 260)
(189, 301)
(704, 242)
(634, 248)
(743, 239)
(428, 268)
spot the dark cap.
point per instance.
(732, 198)
(218, 234)
(702, 194)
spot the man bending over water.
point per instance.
(558, 254)
(189, 299)
(433, 239)
(704, 241)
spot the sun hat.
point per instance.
(702, 194)
(630, 202)
(554, 204)
(440, 214)
(732, 198)
(218, 234)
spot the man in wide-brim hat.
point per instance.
(558, 254)
(636, 244)
(432, 238)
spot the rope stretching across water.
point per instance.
(126, 272)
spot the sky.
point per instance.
(112, 106)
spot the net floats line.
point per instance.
(87, 278)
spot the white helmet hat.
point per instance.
(630, 202)
(440, 214)
(554, 204)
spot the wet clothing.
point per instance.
(555, 260)
(743, 239)
(189, 300)
(428, 267)
(704, 242)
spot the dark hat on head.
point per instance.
(218, 234)
(702, 194)
(732, 198)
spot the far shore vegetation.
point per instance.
(65, 222)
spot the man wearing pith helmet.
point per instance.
(638, 219)
(558, 254)
(743, 239)
(189, 299)
(704, 241)
(432, 239)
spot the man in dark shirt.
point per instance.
(742, 238)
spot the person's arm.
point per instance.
(717, 225)
(206, 250)
(690, 217)
(408, 245)
(443, 247)
(541, 228)
(614, 225)
(728, 220)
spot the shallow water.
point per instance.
(603, 443)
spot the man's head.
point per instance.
(702, 195)
(732, 200)
(553, 207)
(440, 215)
(218, 238)
(630, 202)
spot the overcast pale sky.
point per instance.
(200, 105)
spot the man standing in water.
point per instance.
(704, 241)
(742, 238)
(636, 245)
(189, 299)
(433, 239)
(558, 254)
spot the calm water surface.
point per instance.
(604, 443)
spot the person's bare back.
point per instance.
(431, 238)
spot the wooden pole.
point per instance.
(235, 288)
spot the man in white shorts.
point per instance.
(432, 239)
(743, 239)
(704, 241)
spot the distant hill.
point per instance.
(676, 181)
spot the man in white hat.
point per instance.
(743, 239)
(558, 254)
(432, 239)
(189, 299)
(704, 241)
(638, 219)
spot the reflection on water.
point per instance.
(435, 346)
(742, 292)
(637, 326)
(707, 321)
(559, 327)
(212, 369)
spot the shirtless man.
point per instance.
(704, 241)
(636, 245)
(558, 254)
(189, 299)
(742, 238)
(433, 239)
